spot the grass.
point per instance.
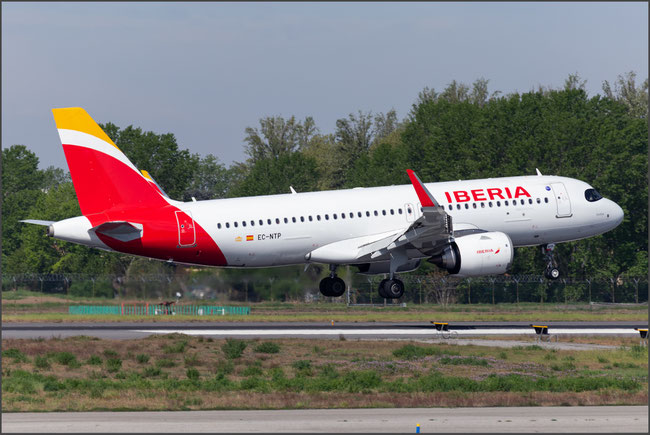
(267, 347)
(233, 349)
(35, 307)
(341, 373)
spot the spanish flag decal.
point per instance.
(249, 238)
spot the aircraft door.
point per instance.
(409, 211)
(186, 230)
(562, 200)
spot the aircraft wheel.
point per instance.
(337, 287)
(382, 291)
(394, 288)
(325, 286)
(552, 273)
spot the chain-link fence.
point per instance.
(508, 289)
(363, 289)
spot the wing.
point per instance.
(423, 238)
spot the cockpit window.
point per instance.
(592, 195)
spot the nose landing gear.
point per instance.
(552, 271)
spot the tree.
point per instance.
(158, 154)
(211, 180)
(626, 92)
(277, 136)
(21, 188)
(274, 175)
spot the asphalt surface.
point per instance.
(587, 419)
(362, 330)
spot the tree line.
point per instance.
(462, 132)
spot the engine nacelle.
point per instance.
(384, 267)
(489, 253)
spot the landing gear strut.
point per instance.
(332, 286)
(552, 271)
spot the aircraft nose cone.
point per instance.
(617, 214)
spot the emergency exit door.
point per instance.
(186, 230)
(562, 200)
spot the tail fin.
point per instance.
(102, 175)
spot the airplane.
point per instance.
(468, 228)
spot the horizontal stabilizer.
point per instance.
(37, 222)
(120, 230)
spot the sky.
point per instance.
(206, 71)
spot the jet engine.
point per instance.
(488, 253)
(384, 267)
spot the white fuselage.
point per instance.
(283, 229)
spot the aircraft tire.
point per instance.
(394, 288)
(325, 286)
(552, 273)
(382, 291)
(337, 287)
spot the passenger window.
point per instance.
(317, 217)
(399, 210)
(458, 206)
(538, 201)
(490, 203)
(286, 221)
(252, 223)
(277, 221)
(227, 225)
(450, 207)
(293, 219)
(498, 203)
(530, 200)
(376, 213)
(342, 215)
(466, 206)
(243, 223)
(219, 226)
(327, 217)
(383, 212)
(359, 214)
(351, 215)
(505, 202)
(261, 222)
(334, 215)
(310, 219)
(302, 218)
(546, 200)
(268, 221)
(392, 211)
(474, 205)
(235, 224)
(367, 213)
(482, 205)
(523, 202)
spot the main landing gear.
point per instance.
(332, 286)
(551, 272)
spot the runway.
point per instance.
(584, 419)
(360, 330)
